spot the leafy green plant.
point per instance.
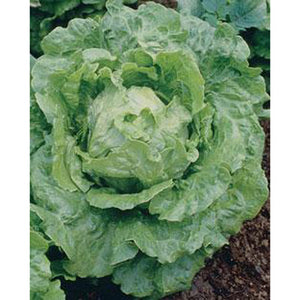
(241, 14)
(45, 15)
(152, 154)
(249, 17)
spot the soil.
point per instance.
(239, 271)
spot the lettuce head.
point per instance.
(152, 154)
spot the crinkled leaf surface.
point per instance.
(45, 15)
(153, 159)
(38, 123)
(40, 274)
(250, 17)
(242, 14)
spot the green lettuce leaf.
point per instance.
(40, 274)
(45, 15)
(241, 14)
(250, 18)
(34, 3)
(38, 123)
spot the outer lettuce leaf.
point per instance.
(101, 199)
(251, 18)
(40, 274)
(80, 34)
(143, 276)
(242, 14)
(45, 15)
(183, 201)
(38, 123)
(249, 13)
(154, 156)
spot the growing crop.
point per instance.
(146, 146)
(249, 17)
(45, 15)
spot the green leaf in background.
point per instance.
(241, 14)
(45, 15)
(249, 17)
(248, 13)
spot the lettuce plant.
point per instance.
(45, 15)
(152, 154)
(249, 17)
(241, 14)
